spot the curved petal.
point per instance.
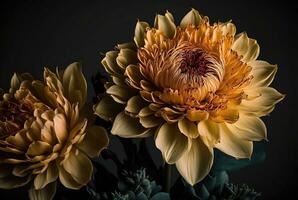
(228, 28)
(171, 142)
(232, 144)
(128, 127)
(246, 47)
(165, 25)
(95, 140)
(196, 162)
(107, 108)
(140, 33)
(188, 128)
(210, 130)
(47, 193)
(260, 101)
(60, 127)
(191, 18)
(48, 176)
(75, 84)
(67, 180)
(249, 128)
(78, 165)
(10, 182)
(263, 73)
(120, 94)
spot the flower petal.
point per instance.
(107, 108)
(120, 94)
(10, 182)
(60, 127)
(171, 142)
(165, 25)
(232, 144)
(246, 47)
(249, 128)
(210, 130)
(47, 193)
(128, 127)
(196, 162)
(67, 180)
(78, 165)
(263, 73)
(260, 101)
(140, 33)
(37, 148)
(135, 104)
(188, 128)
(95, 140)
(75, 84)
(150, 121)
(46, 177)
(191, 18)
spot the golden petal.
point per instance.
(263, 73)
(110, 64)
(150, 121)
(210, 130)
(126, 57)
(135, 104)
(60, 127)
(95, 141)
(171, 142)
(188, 128)
(47, 193)
(128, 127)
(232, 144)
(78, 166)
(120, 94)
(38, 148)
(197, 115)
(195, 164)
(191, 18)
(140, 33)
(107, 108)
(67, 180)
(11, 182)
(48, 176)
(165, 25)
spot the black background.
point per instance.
(37, 34)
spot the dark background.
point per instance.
(36, 34)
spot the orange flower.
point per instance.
(194, 87)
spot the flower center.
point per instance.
(194, 62)
(13, 116)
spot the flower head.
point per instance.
(195, 87)
(45, 133)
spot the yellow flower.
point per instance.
(194, 87)
(45, 133)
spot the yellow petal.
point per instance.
(60, 127)
(263, 73)
(78, 165)
(261, 101)
(140, 33)
(191, 18)
(135, 104)
(46, 177)
(120, 94)
(10, 182)
(150, 121)
(47, 193)
(196, 162)
(67, 180)
(75, 84)
(110, 64)
(171, 142)
(126, 57)
(128, 127)
(246, 47)
(197, 115)
(107, 108)
(165, 25)
(249, 128)
(210, 130)
(228, 28)
(95, 140)
(188, 128)
(232, 144)
(38, 148)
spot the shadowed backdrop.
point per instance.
(37, 34)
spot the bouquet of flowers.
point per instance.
(194, 88)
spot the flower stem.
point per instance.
(167, 174)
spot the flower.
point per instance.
(45, 133)
(194, 86)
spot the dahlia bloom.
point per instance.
(194, 86)
(45, 133)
